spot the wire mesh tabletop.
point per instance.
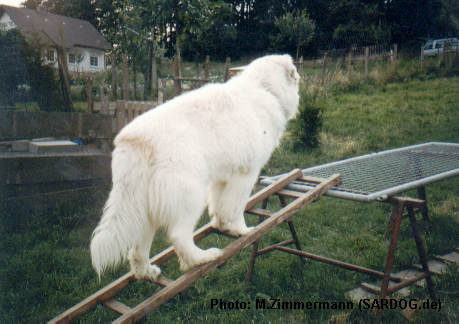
(380, 175)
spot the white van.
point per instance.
(437, 46)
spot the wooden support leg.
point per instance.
(295, 238)
(396, 220)
(254, 253)
(421, 252)
(253, 256)
(422, 195)
(292, 229)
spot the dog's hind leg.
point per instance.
(181, 230)
(139, 258)
(227, 201)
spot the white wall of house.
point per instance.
(85, 60)
(79, 59)
(6, 22)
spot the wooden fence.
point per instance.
(126, 111)
(373, 52)
(18, 125)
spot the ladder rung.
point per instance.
(117, 306)
(163, 281)
(260, 212)
(173, 287)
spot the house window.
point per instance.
(72, 58)
(50, 55)
(93, 61)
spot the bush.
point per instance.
(305, 128)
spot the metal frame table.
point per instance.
(381, 177)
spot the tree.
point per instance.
(297, 27)
(217, 36)
(23, 76)
(448, 20)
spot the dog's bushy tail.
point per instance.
(116, 233)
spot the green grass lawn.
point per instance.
(45, 263)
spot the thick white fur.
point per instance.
(205, 147)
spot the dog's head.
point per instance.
(278, 75)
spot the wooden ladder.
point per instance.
(173, 287)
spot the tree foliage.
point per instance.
(23, 77)
(297, 27)
(243, 27)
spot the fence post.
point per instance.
(89, 94)
(349, 63)
(227, 67)
(130, 108)
(324, 67)
(104, 105)
(113, 57)
(143, 107)
(120, 115)
(422, 59)
(206, 67)
(301, 67)
(154, 76)
(125, 77)
(160, 91)
(367, 54)
(177, 75)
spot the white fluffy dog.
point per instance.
(202, 148)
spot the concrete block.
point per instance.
(19, 146)
(5, 146)
(53, 147)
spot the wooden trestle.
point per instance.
(173, 287)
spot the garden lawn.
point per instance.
(45, 264)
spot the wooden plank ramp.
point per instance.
(173, 287)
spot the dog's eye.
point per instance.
(294, 75)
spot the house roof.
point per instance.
(56, 30)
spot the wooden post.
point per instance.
(125, 77)
(89, 95)
(177, 75)
(64, 77)
(349, 63)
(120, 115)
(131, 106)
(324, 68)
(154, 77)
(301, 67)
(422, 59)
(113, 58)
(227, 67)
(367, 54)
(104, 104)
(160, 91)
(206, 67)
(395, 52)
